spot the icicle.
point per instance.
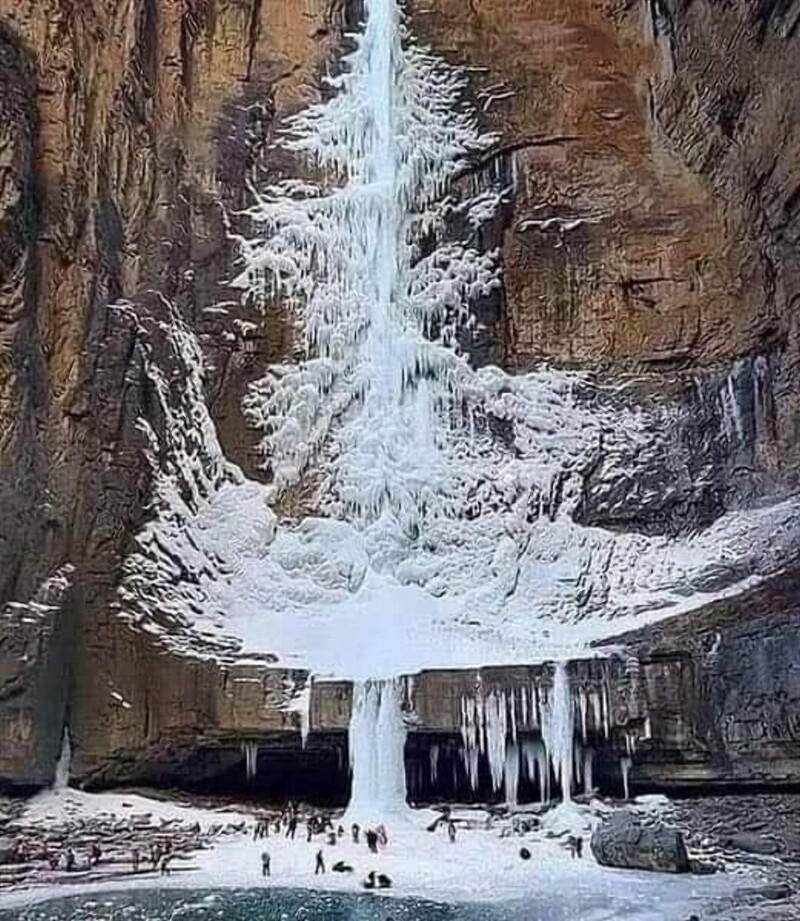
(588, 771)
(470, 736)
(433, 756)
(496, 717)
(511, 772)
(583, 704)
(536, 767)
(731, 411)
(377, 752)
(250, 752)
(61, 780)
(625, 765)
(597, 714)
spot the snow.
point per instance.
(58, 806)
(420, 512)
(483, 865)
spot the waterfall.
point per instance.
(61, 780)
(558, 730)
(374, 400)
(377, 752)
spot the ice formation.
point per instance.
(250, 752)
(558, 730)
(492, 725)
(377, 740)
(61, 778)
(420, 512)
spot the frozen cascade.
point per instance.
(61, 780)
(410, 504)
(373, 400)
(558, 730)
(377, 740)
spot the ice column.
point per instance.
(558, 730)
(377, 752)
(250, 752)
(625, 767)
(61, 781)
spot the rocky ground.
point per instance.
(108, 845)
(759, 831)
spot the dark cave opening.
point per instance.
(280, 768)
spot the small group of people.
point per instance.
(575, 845)
(69, 860)
(373, 837)
(261, 828)
(160, 854)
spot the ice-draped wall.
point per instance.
(419, 512)
(380, 281)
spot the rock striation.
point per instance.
(650, 240)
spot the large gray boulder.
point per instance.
(625, 840)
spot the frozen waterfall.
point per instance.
(558, 730)
(377, 752)
(412, 500)
(377, 398)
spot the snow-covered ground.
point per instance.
(483, 864)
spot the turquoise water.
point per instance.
(298, 905)
(270, 905)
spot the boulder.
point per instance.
(625, 840)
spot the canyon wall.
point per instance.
(652, 233)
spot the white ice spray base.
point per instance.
(377, 738)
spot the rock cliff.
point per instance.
(651, 240)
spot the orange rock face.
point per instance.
(653, 222)
(617, 253)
